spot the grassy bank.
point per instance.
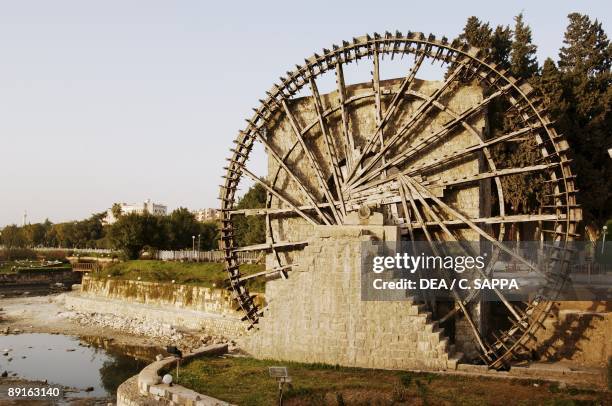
(245, 381)
(209, 274)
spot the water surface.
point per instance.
(73, 362)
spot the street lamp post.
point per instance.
(603, 241)
(193, 244)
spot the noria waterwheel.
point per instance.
(413, 150)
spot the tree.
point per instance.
(34, 234)
(523, 63)
(210, 235)
(501, 45)
(116, 210)
(12, 237)
(496, 43)
(132, 232)
(182, 226)
(251, 229)
(584, 65)
(586, 49)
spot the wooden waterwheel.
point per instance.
(388, 145)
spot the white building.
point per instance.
(139, 208)
(208, 214)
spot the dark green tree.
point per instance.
(182, 226)
(132, 233)
(584, 64)
(523, 62)
(251, 229)
(587, 48)
(209, 235)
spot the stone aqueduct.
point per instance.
(390, 160)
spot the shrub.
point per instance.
(16, 254)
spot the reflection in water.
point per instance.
(87, 363)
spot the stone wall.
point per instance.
(317, 314)
(191, 307)
(218, 301)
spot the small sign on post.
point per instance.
(282, 377)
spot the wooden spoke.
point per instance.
(266, 272)
(312, 159)
(474, 227)
(348, 136)
(414, 119)
(377, 102)
(456, 155)
(380, 123)
(488, 175)
(441, 224)
(436, 252)
(289, 171)
(269, 246)
(458, 120)
(329, 143)
(518, 218)
(278, 195)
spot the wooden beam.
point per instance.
(266, 272)
(269, 246)
(414, 119)
(406, 82)
(329, 143)
(291, 173)
(348, 135)
(278, 194)
(312, 159)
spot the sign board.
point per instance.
(278, 372)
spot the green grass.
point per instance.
(208, 274)
(245, 381)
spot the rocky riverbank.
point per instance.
(47, 314)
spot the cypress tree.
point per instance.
(523, 63)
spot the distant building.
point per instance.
(207, 214)
(139, 208)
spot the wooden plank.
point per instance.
(269, 246)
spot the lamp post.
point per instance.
(603, 241)
(193, 244)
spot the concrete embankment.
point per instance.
(38, 280)
(136, 302)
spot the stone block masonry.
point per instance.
(191, 307)
(317, 314)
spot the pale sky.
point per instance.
(106, 101)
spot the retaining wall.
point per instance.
(191, 307)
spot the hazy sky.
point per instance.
(105, 101)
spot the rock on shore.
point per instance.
(132, 325)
